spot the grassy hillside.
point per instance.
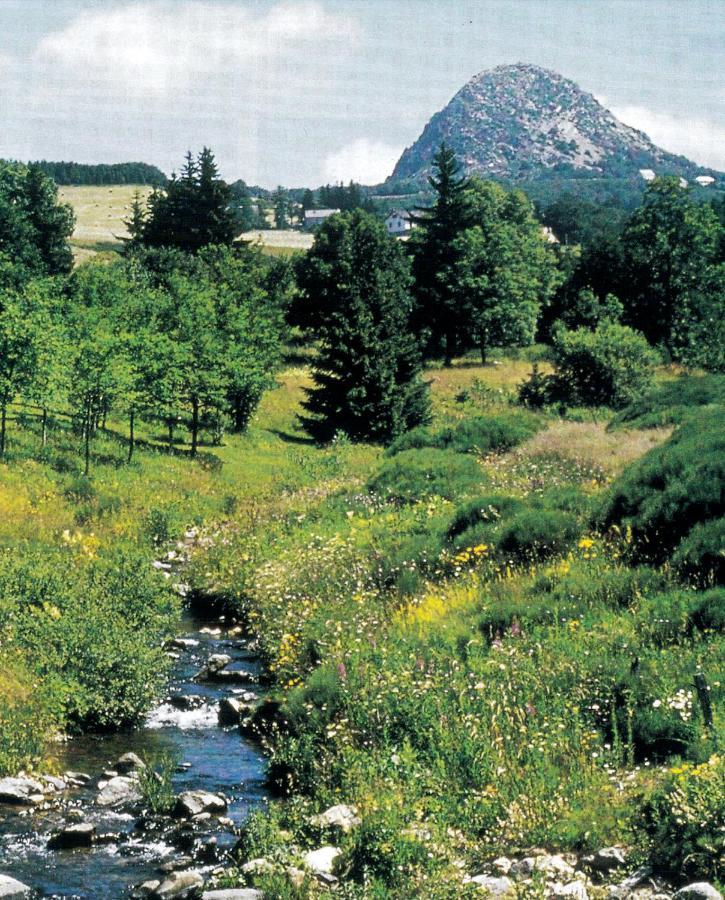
(456, 650)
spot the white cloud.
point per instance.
(700, 140)
(363, 160)
(155, 48)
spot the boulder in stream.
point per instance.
(72, 837)
(179, 885)
(230, 711)
(119, 791)
(129, 762)
(11, 889)
(21, 791)
(192, 803)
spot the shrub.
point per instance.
(682, 821)
(381, 848)
(670, 490)
(673, 402)
(700, 555)
(611, 366)
(487, 510)
(537, 534)
(480, 434)
(415, 474)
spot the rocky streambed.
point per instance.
(87, 832)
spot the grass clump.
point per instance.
(480, 434)
(672, 402)
(671, 490)
(416, 474)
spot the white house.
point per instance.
(315, 217)
(399, 221)
(705, 180)
(647, 174)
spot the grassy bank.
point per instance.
(460, 654)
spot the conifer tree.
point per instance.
(367, 375)
(438, 317)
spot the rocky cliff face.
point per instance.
(522, 122)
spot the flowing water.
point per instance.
(210, 758)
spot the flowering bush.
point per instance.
(682, 821)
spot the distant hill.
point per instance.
(71, 173)
(524, 124)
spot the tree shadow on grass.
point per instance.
(293, 438)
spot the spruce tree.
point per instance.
(438, 318)
(356, 281)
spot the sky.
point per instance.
(305, 92)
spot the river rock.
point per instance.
(183, 643)
(638, 878)
(11, 889)
(191, 803)
(341, 816)
(216, 662)
(233, 894)
(186, 702)
(605, 860)
(119, 791)
(129, 762)
(77, 779)
(54, 784)
(230, 711)
(146, 889)
(20, 791)
(698, 890)
(178, 885)
(573, 890)
(259, 866)
(552, 866)
(73, 836)
(496, 887)
(322, 859)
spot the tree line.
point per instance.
(72, 173)
(187, 328)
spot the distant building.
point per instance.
(683, 182)
(705, 180)
(548, 235)
(647, 174)
(315, 217)
(399, 221)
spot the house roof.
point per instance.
(320, 213)
(401, 213)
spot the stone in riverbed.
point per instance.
(605, 860)
(11, 889)
(233, 894)
(77, 779)
(129, 762)
(21, 791)
(119, 791)
(216, 662)
(698, 890)
(191, 803)
(183, 643)
(179, 885)
(72, 837)
(186, 702)
(230, 711)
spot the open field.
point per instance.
(281, 242)
(100, 212)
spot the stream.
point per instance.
(127, 851)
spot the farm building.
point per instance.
(399, 221)
(705, 180)
(315, 217)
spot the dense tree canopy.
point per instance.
(356, 284)
(34, 226)
(193, 211)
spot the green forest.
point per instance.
(464, 493)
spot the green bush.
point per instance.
(382, 849)
(536, 534)
(416, 474)
(673, 402)
(700, 556)
(682, 822)
(611, 366)
(672, 489)
(480, 434)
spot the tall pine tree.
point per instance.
(367, 375)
